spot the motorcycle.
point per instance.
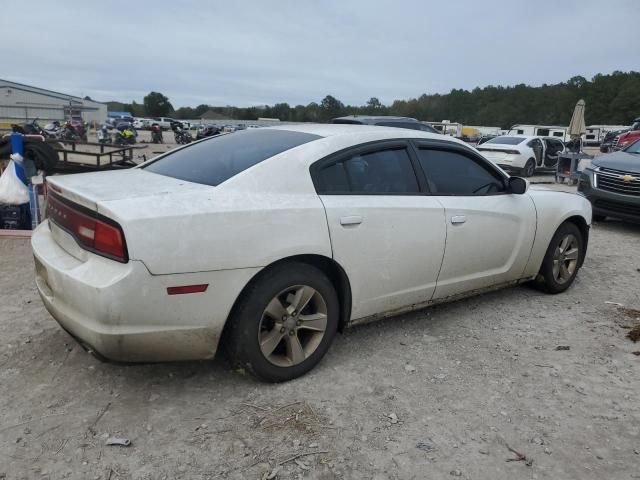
(156, 133)
(32, 128)
(181, 136)
(125, 135)
(53, 130)
(103, 134)
(69, 133)
(208, 131)
(80, 129)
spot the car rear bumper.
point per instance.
(607, 203)
(123, 313)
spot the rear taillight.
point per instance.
(92, 231)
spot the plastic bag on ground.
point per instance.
(12, 190)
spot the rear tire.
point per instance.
(284, 322)
(562, 260)
(529, 168)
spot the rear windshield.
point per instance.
(506, 140)
(217, 159)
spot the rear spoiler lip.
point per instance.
(67, 194)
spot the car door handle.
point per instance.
(458, 219)
(351, 220)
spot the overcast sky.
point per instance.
(297, 51)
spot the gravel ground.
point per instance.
(440, 393)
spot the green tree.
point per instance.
(374, 107)
(330, 107)
(157, 105)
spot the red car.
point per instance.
(625, 139)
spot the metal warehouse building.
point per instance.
(21, 103)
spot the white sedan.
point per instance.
(268, 241)
(523, 154)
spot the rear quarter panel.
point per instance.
(199, 232)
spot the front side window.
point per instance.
(216, 159)
(382, 172)
(452, 173)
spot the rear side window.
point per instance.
(217, 159)
(383, 172)
(451, 173)
(507, 140)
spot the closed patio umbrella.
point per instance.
(577, 127)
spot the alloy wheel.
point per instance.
(530, 168)
(565, 259)
(292, 325)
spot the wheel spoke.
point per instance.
(556, 269)
(314, 321)
(270, 341)
(297, 317)
(564, 272)
(295, 352)
(571, 254)
(302, 297)
(275, 309)
(564, 243)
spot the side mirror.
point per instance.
(518, 185)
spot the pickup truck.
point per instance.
(627, 138)
(165, 122)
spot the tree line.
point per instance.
(610, 99)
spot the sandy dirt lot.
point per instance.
(440, 393)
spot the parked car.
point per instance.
(627, 138)
(142, 123)
(486, 138)
(609, 137)
(612, 184)
(113, 120)
(523, 154)
(270, 240)
(385, 121)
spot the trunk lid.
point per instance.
(90, 189)
(135, 190)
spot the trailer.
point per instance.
(595, 133)
(76, 157)
(562, 133)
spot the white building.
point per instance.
(20, 103)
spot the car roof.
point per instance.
(344, 129)
(371, 119)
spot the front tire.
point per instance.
(529, 168)
(562, 260)
(284, 322)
